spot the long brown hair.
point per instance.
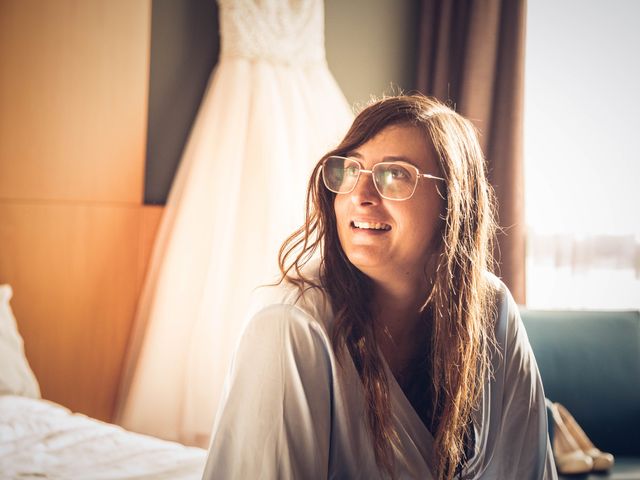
(460, 301)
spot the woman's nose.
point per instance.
(365, 193)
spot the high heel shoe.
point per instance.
(568, 455)
(601, 460)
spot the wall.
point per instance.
(184, 50)
(372, 46)
(74, 235)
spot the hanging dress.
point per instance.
(270, 111)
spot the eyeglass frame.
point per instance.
(361, 169)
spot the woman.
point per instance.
(395, 354)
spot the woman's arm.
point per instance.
(524, 448)
(275, 417)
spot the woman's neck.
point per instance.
(399, 322)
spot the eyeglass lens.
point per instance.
(392, 179)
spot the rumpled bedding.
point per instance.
(41, 439)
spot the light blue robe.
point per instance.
(290, 411)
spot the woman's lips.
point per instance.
(370, 227)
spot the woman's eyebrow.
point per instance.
(388, 158)
(399, 158)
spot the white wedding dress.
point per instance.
(271, 110)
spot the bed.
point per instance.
(41, 439)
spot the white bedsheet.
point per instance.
(41, 439)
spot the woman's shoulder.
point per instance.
(503, 299)
(496, 284)
(288, 301)
(509, 329)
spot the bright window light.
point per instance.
(582, 154)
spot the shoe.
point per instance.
(602, 461)
(569, 457)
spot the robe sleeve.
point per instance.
(275, 417)
(524, 441)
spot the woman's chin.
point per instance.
(367, 261)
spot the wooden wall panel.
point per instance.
(73, 99)
(74, 236)
(75, 271)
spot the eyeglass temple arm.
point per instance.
(426, 175)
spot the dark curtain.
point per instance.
(471, 55)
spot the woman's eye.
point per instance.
(398, 173)
(351, 171)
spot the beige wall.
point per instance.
(371, 46)
(74, 236)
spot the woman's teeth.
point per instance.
(372, 226)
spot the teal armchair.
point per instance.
(590, 362)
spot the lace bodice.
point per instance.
(280, 31)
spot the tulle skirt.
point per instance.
(238, 193)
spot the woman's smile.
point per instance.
(375, 226)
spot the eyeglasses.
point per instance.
(395, 180)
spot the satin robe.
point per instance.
(291, 411)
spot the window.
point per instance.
(582, 154)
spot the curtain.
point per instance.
(471, 54)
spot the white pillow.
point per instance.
(16, 377)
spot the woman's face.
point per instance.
(401, 247)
